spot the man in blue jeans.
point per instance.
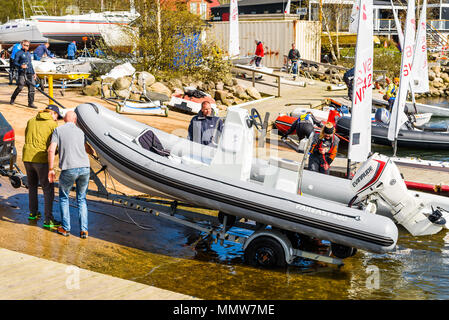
(75, 166)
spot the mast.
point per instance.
(23, 9)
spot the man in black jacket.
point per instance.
(27, 76)
(294, 56)
(205, 128)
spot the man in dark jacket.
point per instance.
(294, 56)
(27, 76)
(42, 51)
(324, 149)
(304, 126)
(348, 78)
(205, 128)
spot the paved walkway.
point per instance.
(24, 277)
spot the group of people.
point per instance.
(21, 67)
(43, 138)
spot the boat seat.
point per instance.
(282, 175)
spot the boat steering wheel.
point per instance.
(256, 120)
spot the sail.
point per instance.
(398, 25)
(420, 74)
(354, 22)
(287, 7)
(234, 46)
(360, 135)
(398, 117)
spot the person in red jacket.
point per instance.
(324, 149)
(259, 53)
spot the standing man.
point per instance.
(259, 53)
(75, 166)
(348, 78)
(392, 91)
(42, 51)
(35, 158)
(205, 128)
(71, 51)
(12, 67)
(294, 56)
(324, 149)
(27, 76)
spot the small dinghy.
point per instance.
(190, 101)
(221, 179)
(408, 138)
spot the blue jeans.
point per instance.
(295, 67)
(80, 176)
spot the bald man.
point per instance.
(75, 168)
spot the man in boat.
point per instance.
(12, 67)
(42, 51)
(324, 149)
(71, 50)
(27, 76)
(35, 158)
(348, 78)
(259, 53)
(75, 168)
(294, 56)
(205, 128)
(392, 90)
(303, 126)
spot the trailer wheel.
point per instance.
(15, 182)
(341, 251)
(265, 252)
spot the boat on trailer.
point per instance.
(220, 179)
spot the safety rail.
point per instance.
(253, 77)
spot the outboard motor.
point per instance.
(379, 179)
(382, 115)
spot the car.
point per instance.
(8, 153)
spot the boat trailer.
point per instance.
(266, 247)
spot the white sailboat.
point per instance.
(398, 116)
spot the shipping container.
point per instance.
(277, 37)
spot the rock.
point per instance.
(228, 80)
(219, 86)
(234, 82)
(434, 92)
(445, 77)
(238, 101)
(221, 107)
(154, 96)
(227, 102)
(436, 69)
(323, 78)
(159, 87)
(220, 95)
(124, 94)
(135, 96)
(178, 91)
(107, 91)
(253, 93)
(145, 79)
(91, 90)
(230, 89)
(240, 93)
(121, 84)
(432, 76)
(109, 81)
(437, 84)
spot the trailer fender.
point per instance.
(278, 236)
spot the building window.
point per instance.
(193, 7)
(203, 10)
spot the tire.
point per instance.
(265, 252)
(341, 251)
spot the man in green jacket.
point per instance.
(35, 158)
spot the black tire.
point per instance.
(265, 252)
(341, 251)
(15, 182)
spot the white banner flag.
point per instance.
(420, 74)
(234, 46)
(354, 22)
(360, 135)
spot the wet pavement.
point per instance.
(163, 256)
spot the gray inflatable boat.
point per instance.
(220, 178)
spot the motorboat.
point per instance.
(221, 178)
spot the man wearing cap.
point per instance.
(75, 168)
(71, 51)
(27, 76)
(35, 158)
(324, 149)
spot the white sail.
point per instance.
(360, 135)
(420, 74)
(398, 25)
(287, 7)
(398, 117)
(234, 46)
(354, 22)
